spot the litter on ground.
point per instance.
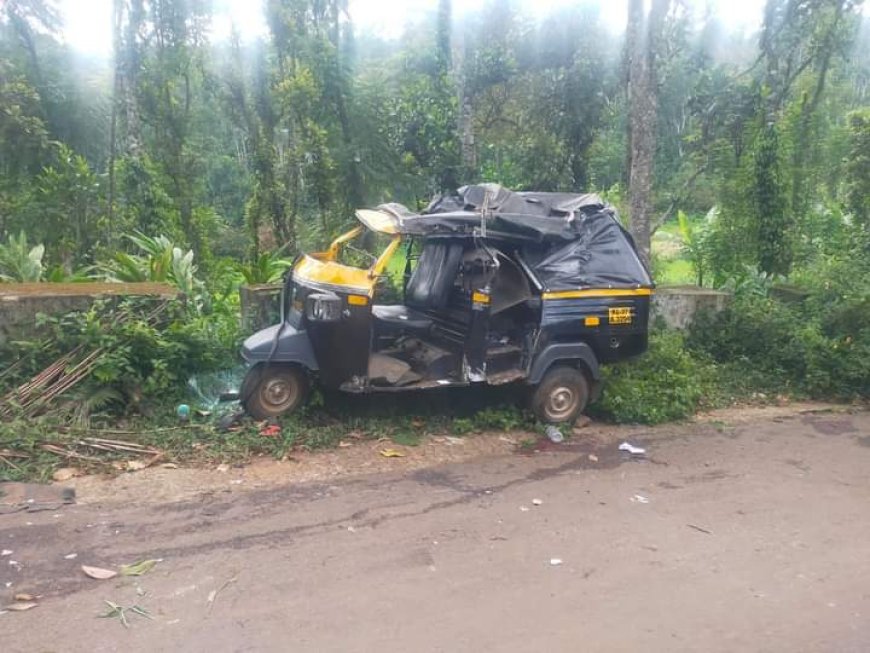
(554, 434)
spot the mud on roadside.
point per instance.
(166, 484)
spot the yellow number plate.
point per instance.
(619, 315)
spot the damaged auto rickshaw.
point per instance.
(497, 287)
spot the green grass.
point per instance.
(670, 265)
(322, 424)
(677, 271)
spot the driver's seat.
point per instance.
(428, 288)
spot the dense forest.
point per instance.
(238, 149)
(739, 159)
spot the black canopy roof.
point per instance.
(568, 240)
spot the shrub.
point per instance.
(144, 360)
(667, 383)
(818, 349)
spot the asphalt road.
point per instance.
(746, 537)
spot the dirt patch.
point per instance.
(592, 446)
(830, 426)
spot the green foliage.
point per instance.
(19, 261)
(66, 211)
(857, 169)
(819, 347)
(491, 418)
(773, 222)
(695, 241)
(161, 262)
(145, 361)
(268, 267)
(667, 383)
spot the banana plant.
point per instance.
(695, 240)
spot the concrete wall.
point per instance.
(20, 303)
(678, 305)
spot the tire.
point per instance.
(561, 395)
(270, 390)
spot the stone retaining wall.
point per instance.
(20, 303)
(678, 305)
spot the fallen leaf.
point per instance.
(65, 474)
(71, 556)
(392, 453)
(142, 612)
(169, 466)
(21, 607)
(25, 597)
(223, 467)
(342, 444)
(593, 458)
(135, 465)
(99, 573)
(138, 568)
(211, 596)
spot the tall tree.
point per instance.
(644, 39)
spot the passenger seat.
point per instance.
(428, 289)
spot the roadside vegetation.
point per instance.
(206, 165)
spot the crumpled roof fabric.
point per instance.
(569, 240)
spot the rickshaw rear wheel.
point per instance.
(270, 390)
(561, 395)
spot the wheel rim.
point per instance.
(561, 402)
(279, 393)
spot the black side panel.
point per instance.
(565, 320)
(565, 352)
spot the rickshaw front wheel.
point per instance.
(273, 389)
(561, 395)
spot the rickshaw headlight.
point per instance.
(323, 307)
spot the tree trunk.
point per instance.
(808, 108)
(465, 116)
(642, 106)
(117, 13)
(130, 63)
